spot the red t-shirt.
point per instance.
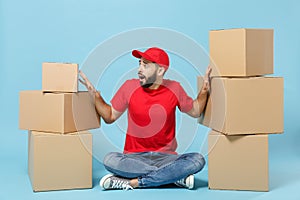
(151, 115)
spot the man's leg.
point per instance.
(128, 165)
(183, 166)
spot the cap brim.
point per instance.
(139, 54)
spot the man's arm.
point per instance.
(200, 102)
(106, 111)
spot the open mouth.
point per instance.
(141, 77)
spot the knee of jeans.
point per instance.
(109, 159)
(199, 161)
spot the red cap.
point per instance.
(154, 54)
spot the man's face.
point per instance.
(147, 72)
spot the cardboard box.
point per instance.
(60, 161)
(57, 112)
(244, 105)
(59, 77)
(238, 162)
(241, 52)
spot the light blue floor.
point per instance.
(15, 184)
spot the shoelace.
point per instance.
(181, 182)
(121, 184)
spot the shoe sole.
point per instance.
(103, 179)
(191, 182)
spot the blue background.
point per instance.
(33, 32)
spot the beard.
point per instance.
(149, 81)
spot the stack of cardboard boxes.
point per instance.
(242, 109)
(58, 117)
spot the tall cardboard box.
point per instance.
(59, 77)
(238, 162)
(241, 52)
(57, 112)
(249, 105)
(60, 161)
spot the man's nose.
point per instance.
(140, 68)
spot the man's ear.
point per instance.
(161, 71)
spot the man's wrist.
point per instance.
(203, 93)
(97, 94)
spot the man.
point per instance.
(149, 158)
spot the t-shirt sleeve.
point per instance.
(185, 102)
(120, 100)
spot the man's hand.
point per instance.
(108, 114)
(200, 102)
(206, 81)
(87, 83)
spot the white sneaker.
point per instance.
(187, 182)
(110, 181)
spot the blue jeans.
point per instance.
(153, 168)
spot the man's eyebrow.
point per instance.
(143, 61)
(146, 61)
